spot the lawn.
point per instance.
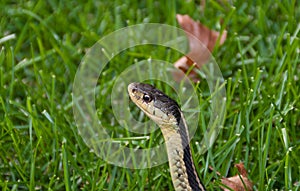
(42, 44)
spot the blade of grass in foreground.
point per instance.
(66, 167)
(264, 152)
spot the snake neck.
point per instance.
(182, 169)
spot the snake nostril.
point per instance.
(134, 90)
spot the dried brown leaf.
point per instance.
(241, 169)
(205, 35)
(199, 53)
(237, 182)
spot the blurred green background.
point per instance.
(43, 42)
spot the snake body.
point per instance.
(166, 113)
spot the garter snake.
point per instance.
(166, 113)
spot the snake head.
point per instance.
(155, 104)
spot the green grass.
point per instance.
(42, 44)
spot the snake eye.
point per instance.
(147, 98)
